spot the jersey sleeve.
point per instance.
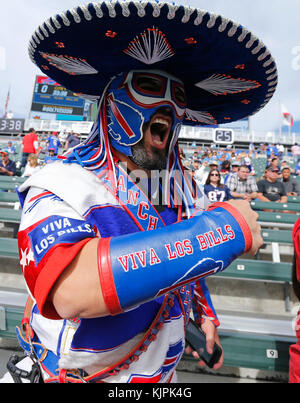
(202, 304)
(51, 234)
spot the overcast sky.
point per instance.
(275, 22)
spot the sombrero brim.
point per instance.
(227, 72)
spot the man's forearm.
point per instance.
(112, 275)
(261, 197)
(237, 195)
(136, 268)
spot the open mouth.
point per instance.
(160, 128)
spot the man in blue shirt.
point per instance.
(7, 167)
(11, 149)
(54, 143)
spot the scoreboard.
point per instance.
(53, 101)
(12, 125)
(223, 136)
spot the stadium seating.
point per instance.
(264, 352)
(259, 165)
(10, 317)
(258, 270)
(8, 198)
(269, 218)
(279, 236)
(294, 199)
(260, 205)
(8, 215)
(9, 248)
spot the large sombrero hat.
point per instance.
(227, 71)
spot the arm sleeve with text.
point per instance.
(51, 234)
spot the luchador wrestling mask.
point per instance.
(141, 98)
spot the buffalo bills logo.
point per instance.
(211, 267)
(203, 268)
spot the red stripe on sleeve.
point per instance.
(107, 282)
(240, 219)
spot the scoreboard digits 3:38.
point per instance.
(11, 125)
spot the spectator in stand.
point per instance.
(73, 141)
(270, 188)
(234, 169)
(269, 151)
(242, 185)
(214, 189)
(7, 167)
(225, 167)
(274, 163)
(280, 149)
(275, 151)
(51, 156)
(296, 152)
(290, 184)
(213, 164)
(11, 149)
(32, 166)
(53, 142)
(195, 165)
(195, 156)
(30, 145)
(63, 136)
(285, 164)
(251, 147)
(247, 161)
(235, 166)
(201, 172)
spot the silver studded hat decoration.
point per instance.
(227, 72)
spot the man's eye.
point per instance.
(149, 83)
(180, 95)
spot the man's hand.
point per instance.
(251, 218)
(212, 337)
(247, 197)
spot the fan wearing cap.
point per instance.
(113, 245)
(7, 167)
(270, 188)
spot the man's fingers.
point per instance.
(210, 342)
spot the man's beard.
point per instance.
(156, 159)
(152, 160)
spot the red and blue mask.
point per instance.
(141, 98)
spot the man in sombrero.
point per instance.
(115, 242)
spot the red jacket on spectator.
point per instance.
(30, 143)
